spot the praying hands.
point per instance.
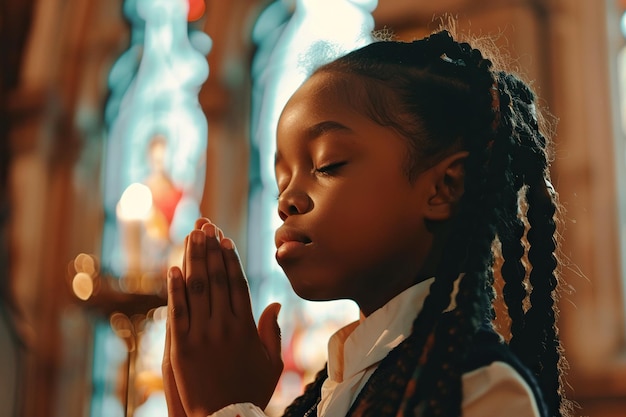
(214, 353)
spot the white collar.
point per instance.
(366, 342)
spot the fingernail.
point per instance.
(228, 244)
(210, 230)
(172, 274)
(197, 237)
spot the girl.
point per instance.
(403, 169)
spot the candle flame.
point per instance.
(135, 203)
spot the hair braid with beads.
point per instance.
(444, 96)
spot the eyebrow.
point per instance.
(317, 130)
(324, 127)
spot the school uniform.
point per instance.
(495, 384)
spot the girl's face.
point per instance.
(353, 223)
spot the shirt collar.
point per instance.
(365, 342)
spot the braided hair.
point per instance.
(443, 97)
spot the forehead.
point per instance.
(330, 108)
(320, 89)
(322, 97)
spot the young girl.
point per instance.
(403, 170)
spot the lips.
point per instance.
(285, 234)
(288, 241)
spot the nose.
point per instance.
(292, 202)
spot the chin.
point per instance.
(310, 293)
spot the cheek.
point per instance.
(376, 200)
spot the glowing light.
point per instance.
(82, 285)
(124, 328)
(136, 202)
(130, 284)
(160, 314)
(85, 263)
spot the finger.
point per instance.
(197, 281)
(177, 309)
(269, 333)
(174, 405)
(201, 222)
(166, 363)
(239, 291)
(218, 278)
(185, 255)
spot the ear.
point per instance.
(447, 185)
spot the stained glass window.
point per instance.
(154, 176)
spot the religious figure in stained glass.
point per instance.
(157, 138)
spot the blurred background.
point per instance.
(121, 121)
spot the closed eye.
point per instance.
(330, 169)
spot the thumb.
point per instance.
(269, 333)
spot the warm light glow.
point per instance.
(85, 263)
(150, 284)
(135, 203)
(82, 285)
(160, 314)
(129, 284)
(124, 328)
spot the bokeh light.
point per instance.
(135, 203)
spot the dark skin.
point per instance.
(210, 318)
(350, 215)
(344, 195)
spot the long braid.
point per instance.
(543, 311)
(511, 228)
(540, 348)
(541, 316)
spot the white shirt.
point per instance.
(355, 351)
